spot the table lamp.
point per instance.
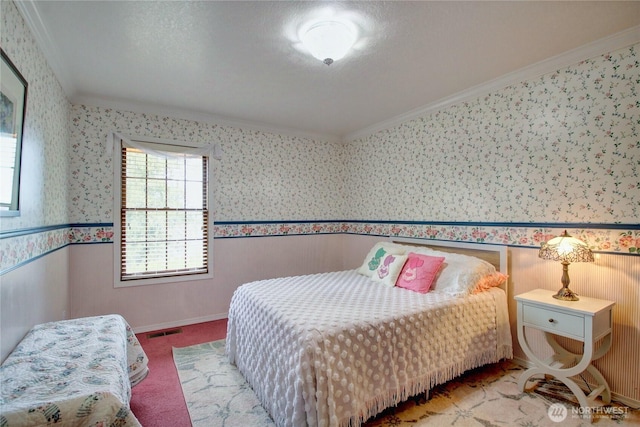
(566, 249)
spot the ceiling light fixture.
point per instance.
(328, 41)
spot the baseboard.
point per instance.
(626, 401)
(177, 323)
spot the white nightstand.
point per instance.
(587, 320)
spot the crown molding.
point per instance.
(29, 11)
(590, 50)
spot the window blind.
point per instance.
(164, 217)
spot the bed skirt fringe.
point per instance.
(425, 383)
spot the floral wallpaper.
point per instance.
(564, 147)
(262, 176)
(45, 146)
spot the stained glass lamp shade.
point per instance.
(566, 249)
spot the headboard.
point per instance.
(493, 254)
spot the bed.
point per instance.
(334, 349)
(75, 372)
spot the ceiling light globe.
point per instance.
(328, 41)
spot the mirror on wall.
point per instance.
(13, 102)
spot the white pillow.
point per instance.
(379, 250)
(460, 273)
(389, 269)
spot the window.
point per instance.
(164, 223)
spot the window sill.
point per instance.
(162, 280)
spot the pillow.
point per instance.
(419, 272)
(460, 273)
(389, 269)
(379, 250)
(491, 281)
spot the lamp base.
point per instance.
(566, 294)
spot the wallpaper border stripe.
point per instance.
(27, 261)
(26, 231)
(586, 225)
(18, 247)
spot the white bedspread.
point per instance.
(73, 373)
(334, 349)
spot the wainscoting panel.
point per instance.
(611, 277)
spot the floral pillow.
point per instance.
(375, 255)
(419, 272)
(389, 269)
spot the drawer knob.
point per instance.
(551, 320)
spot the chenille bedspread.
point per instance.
(334, 349)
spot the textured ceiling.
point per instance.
(240, 61)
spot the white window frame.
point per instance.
(117, 205)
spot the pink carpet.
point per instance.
(158, 401)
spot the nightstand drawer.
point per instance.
(553, 321)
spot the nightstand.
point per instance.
(588, 320)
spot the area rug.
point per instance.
(215, 392)
(217, 395)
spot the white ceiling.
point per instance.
(240, 61)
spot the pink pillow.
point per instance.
(419, 272)
(490, 281)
